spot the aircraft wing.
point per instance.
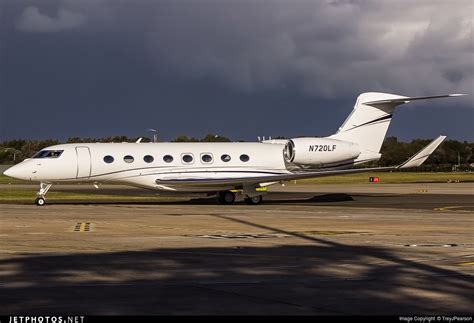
(263, 179)
(414, 161)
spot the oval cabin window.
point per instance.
(225, 158)
(108, 159)
(206, 158)
(187, 158)
(148, 159)
(245, 158)
(168, 159)
(128, 159)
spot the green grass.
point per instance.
(393, 178)
(20, 195)
(8, 180)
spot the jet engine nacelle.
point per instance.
(320, 151)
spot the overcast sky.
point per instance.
(241, 69)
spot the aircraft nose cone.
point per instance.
(8, 172)
(16, 171)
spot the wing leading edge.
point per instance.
(414, 161)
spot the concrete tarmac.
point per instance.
(307, 250)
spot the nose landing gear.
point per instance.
(40, 196)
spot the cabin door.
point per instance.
(83, 162)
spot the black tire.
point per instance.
(40, 201)
(226, 197)
(253, 200)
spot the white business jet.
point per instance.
(224, 169)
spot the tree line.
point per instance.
(452, 154)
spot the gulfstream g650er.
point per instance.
(222, 169)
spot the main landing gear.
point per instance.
(228, 197)
(255, 200)
(40, 196)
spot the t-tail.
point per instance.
(368, 122)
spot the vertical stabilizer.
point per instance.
(368, 122)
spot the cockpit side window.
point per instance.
(48, 154)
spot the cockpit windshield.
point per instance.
(48, 154)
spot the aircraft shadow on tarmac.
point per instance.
(320, 276)
(288, 198)
(272, 198)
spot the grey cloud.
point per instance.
(324, 48)
(327, 49)
(32, 20)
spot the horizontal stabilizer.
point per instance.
(420, 157)
(402, 100)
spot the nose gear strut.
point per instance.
(40, 196)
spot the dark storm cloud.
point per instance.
(326, 48)
(215, 58)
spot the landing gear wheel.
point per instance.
(226, 197)
(255, 200)
(40, 201)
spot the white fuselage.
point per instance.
(133, 165)
(143, 164)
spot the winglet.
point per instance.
(420, 157)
